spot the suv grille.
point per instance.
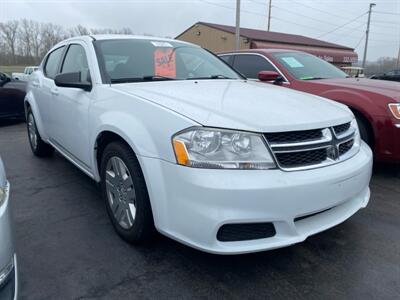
(345, 147)
(311, 148)
(301, 158)
(339, 129)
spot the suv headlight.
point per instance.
(212, 148)
(395, 109)
(357, 135)
(2, 195)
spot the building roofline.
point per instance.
(221, 27)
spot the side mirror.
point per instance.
(273, 76)
(72, 80)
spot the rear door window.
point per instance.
(53, 62)
(250, 65)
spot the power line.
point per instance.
(298, 24)
(386, 22)
(232, 8)
(386, 13)
(320, 10)
(312, 18)
(332, 14)
(294, 23)
(359, 42)
(345, 24)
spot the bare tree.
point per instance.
(81, 30)
(51, 34)
(9, 32)
(382, 65)
(27, 41)
(26, 37)
(36, 41)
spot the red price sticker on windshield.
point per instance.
(165, 62)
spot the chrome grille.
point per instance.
(301, 158)
(294, 136)
(345, 147)
(307, 149)
(339, 129)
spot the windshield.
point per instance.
(135, 60)
(305, 66)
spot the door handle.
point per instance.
(54, 92)
(35, 83)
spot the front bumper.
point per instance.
(8, 287)
(190, 205)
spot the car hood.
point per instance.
(387, 88)
(240, 104)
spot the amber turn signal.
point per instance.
(181, 154)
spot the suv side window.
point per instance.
(52, 63)
(75, 61)
(250, 65)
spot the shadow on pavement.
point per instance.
(10, 122)
(386, 169)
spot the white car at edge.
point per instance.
(8, 257)
(183, 144)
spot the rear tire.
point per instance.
(125, 193)
(38, 146)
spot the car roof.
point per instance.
(102, 37)
(260, 51)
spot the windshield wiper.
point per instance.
(141, 79)
(157, 78)
(210, 77)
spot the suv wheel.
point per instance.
(125, 193)
(38, 146)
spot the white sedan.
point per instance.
(183, 144)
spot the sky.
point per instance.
(338, 21)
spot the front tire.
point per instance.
(38, 146)
(125, 193)
(364, 131)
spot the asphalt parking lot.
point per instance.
(68, 250)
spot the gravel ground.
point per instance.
(67, 248)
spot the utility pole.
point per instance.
(398, 60)
(237, 34)
(269, 14)
(367, 34)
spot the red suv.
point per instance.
(375, 103)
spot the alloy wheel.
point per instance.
(120, 192)
(32, 131)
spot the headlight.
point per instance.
(221, 149)
(395, 109)
(357, 135)
(2, 195)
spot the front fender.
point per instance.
(30, 101)
(352, 99)
(147, 129)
